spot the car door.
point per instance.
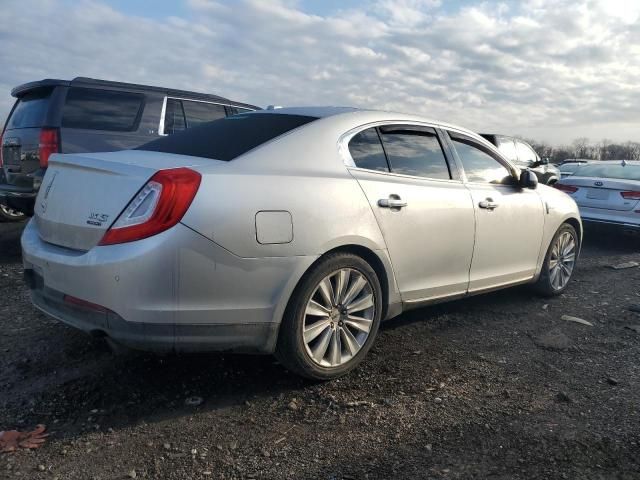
(509, 219)
(421, 205)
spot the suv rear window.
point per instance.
(228, 138)
(94, 109)
(31, 110)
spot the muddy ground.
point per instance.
(497, 386)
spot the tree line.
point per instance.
(582, 148)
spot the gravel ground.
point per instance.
(496, 386)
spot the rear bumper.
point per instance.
(155, 337)
(629, 220)
(176, 291)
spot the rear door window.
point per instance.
(174, 117)
(201, 112)
(526, 155)
(414, 151)
(30, 110)
(366, 150)
(95, 109)
(507, 148)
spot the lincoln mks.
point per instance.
(291, 231)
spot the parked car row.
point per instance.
(206, 224)
(89, 115)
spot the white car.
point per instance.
(607, 192)
(291, 231)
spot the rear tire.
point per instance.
(8, 214)
(332, 318)
(559, 262)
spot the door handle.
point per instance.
(488, 204)
(394, 201)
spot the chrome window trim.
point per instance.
(163, 112)
(347, 159)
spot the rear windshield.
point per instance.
(31, 110)
(570, 167)
(94, 109)
(228, 138)
(616, 170)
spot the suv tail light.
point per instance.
(49, 143)
(632, 195)
(158, 206)
(566, 188)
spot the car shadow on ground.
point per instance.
(76, 375)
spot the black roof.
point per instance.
(94, 82)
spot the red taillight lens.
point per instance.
(630, 195)
(49, 143)
(160, 204)
(566, 188)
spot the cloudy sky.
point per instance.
(550, 69)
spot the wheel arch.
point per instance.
(379, 261)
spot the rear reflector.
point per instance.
(630, 195)
(566, 188)
(78, 302)
(160, 204)
(49, 143)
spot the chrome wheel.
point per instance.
(562, 260)
(338, 317)
(10, 212)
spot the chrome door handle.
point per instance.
(394, 201)
(489, 204)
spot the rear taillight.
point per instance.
(633, 195)
(160, 204)
(49, 143)
(566, 188)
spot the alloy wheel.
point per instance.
(10, 212)
(338, 317)
(562, 260)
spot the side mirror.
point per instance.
(528, 179)
(544, 161)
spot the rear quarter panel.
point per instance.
(300, 173)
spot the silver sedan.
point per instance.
(607, 193)
(292, 231)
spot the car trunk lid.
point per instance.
(83, 194)
(605, 193)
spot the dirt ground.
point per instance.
(497, 386)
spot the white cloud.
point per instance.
(551, 69)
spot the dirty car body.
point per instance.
(247, 221)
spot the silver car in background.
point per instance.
(607, 192)
(291, 231)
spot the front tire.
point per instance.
(332, 318)
(559, 263)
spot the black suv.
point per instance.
(89, 115)
(523, 155)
